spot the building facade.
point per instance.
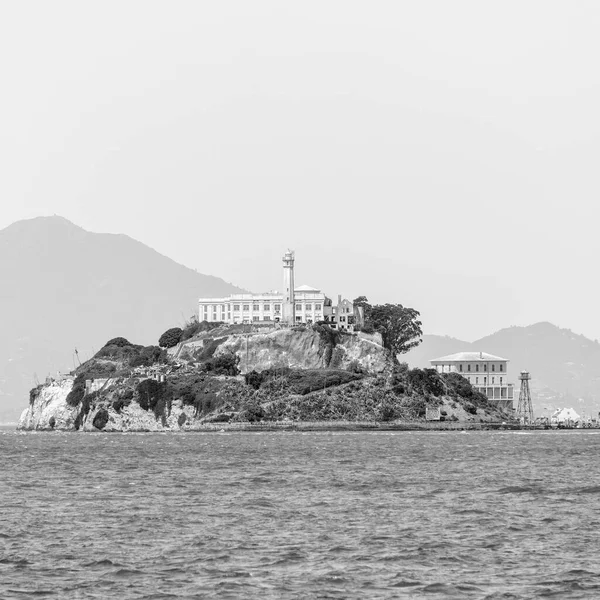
(487, 373)
(292, 306)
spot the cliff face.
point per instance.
(48, 408)
(50, 411)
(303, 349)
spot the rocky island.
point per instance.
(214, 375)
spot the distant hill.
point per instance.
(63, 288)
(565, 367)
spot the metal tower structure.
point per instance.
(525, 408)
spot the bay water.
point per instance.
(300, 515)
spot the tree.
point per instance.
(400, 327)
(171, 337)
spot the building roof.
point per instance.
(469, 357)
(306, 288)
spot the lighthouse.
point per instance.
(288, 312)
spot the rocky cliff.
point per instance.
(304, 348)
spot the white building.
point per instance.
(487, 373)
(293, 306)
(564, 416)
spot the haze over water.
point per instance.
(299, 515)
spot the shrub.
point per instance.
(119, 404)
(120, 342)
(154, 396)
(251, 411)
(34, 393)
(148, 356)
(75, 396)
(170, 338)
(52, 422)
(425, 381)
(209, 348)
(181, 419)
(101, 419)
(254, 379)
(225, 364)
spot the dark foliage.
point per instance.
(251, 411)
(52, 422)
(254, 379)
(194, 327)
(75, 396)
(120, 342)
(170, 338)
(34, 393)
(209, 348)
(86, 405)
(425, 381)
(460, 386)
(148, 356)
(224, 364)
(181, 419)
(155, 396)
(120, 403)
(329, 338)
(101, 419)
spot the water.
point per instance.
(300, 515)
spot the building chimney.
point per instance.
(339, 298)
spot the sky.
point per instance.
(443, 155)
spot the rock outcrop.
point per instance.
(304, 349)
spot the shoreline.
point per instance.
(328, 426)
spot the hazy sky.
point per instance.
(444, 155)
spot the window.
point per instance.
(267, 307)
(469, 369)
(500, 380)
(309, 307)
(246, 307)
(317, 307)
(485, 366)
(501, 368)
(266, 318)
(277, 307)
(484, 380)
(343, 319)
(477, 368)
(255, 307)
(493, 380)
(493, 367)
(298, 306)
(223, 308)
(460, 367)
(255, 318)
(299, 319)
(476, 379)
(236, 307)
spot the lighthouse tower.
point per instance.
(288, 312)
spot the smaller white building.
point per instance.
(564, 416)
(487, 373)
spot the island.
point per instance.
(218, 376)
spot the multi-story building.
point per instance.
(487, 373)
(295, 305)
